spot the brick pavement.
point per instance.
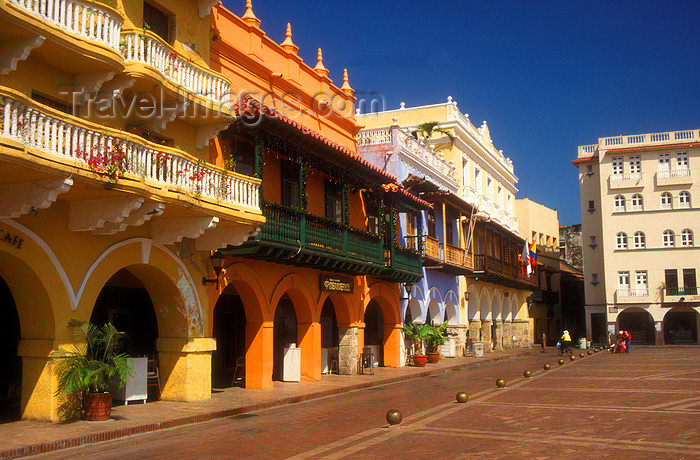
(31, 437)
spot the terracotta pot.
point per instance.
(97, 406)
(420, 360)
(433, 357)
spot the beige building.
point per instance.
(540, 224)
(639, 229)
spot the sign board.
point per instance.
(335, 283)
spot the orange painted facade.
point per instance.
(268, 273)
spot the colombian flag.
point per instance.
(533, 255)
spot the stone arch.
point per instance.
(295, 287)
(341, 303)
(37, 329)
(680, 326)
(496, 305)
(436, 306)
(171, 288)
(639, 323)
(415, 306)
(451, 308)
(485, 305)
(386, 296)
(473, 304)
(506, 310)
(259, 323)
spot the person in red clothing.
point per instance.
(628, 339)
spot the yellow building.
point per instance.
(492, 291)
(110, 204)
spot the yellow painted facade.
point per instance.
(100, 201)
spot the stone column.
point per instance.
(498, 340)
(486, 335)
(185, 367)
(507, 338)
(460, 338)
(520, 328)
(347, 355)
(39, 401)
(659, 333)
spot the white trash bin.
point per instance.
(582, 343)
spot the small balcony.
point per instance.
(627, 180)
(144, 48)
(632, 295)
(682, 291)
(113, 158)
(447, 257)
(75, 36)
(489, 268)
(674, 177)
(402, 265)
(296, 237)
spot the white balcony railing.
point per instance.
(38, 128)
(626, 177)
(423, 154)
(632, 292)
(668, 174)
(374, 136)
(85, 20)
(146, 49)
(671, 137)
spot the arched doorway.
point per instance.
(11, 370)
(640, 325)
(124, 301)
(228, 360)
(681, 326)
(413, 314)
(374, 330)
(330, 341)
(284, 334)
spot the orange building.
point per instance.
(319, 283)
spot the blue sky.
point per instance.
(547, 76)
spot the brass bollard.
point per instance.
(527, 374)
(394, 417)
(546, 367)
(500, 383)
(462, 397)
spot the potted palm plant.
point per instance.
(92, 367)
(436, 337)
(417, 334)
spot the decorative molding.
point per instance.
(89, 215)
(116, 86)
(137, 217)
(222, 236)
(206, 133)
(15, 50)
(91, 82)
(173, 229)
(23, 198)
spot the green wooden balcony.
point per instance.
(402, 264)
(299, 238)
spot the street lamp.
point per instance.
(408, 287)
(217, 262)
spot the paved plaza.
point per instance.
(645, 404)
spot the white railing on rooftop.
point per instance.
(374, 136)
(672, 137)
(586, 150)
(37, 128)
(423, 154)
(85, 20)
(147, 49)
